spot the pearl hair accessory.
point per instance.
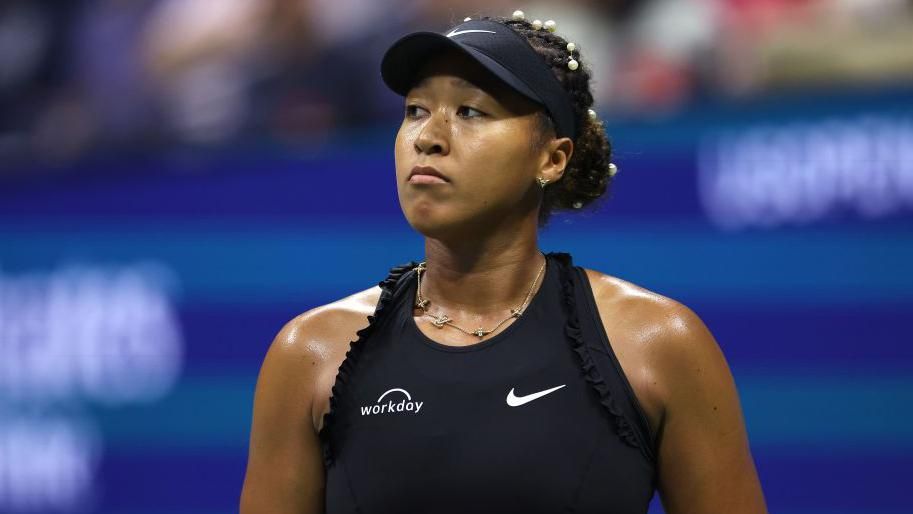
(550, 25)
(592, 114)
(518, 15)
(572, 63)
(612, 169)
(578, 204)
(537, 24)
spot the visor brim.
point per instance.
(405, 58)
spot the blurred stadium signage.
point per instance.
(70, 337)
(798, 173)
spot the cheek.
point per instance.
(400, 147)
(499, 158)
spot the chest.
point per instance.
(421, 426)
(632, 357)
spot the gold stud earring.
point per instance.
(542, 182)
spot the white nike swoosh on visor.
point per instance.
(458, 32)
(516, 401)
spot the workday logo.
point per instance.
(391, 406)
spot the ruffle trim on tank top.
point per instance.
(590, 371)
(343, 375)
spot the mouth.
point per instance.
(426, 175)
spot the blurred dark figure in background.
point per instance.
(111, 76)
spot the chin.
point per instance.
(428, 226)
(441, 225)
(431, 221)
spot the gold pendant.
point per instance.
(421, 305)
(479, 332)
(440, 320)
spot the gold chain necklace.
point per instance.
(443, 319)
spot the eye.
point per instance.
(412, 110)
(467, 110)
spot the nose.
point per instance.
(433, 136)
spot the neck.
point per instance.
(478, 281)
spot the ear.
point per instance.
(556, 154)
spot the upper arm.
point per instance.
(705, 464)
(285, 467)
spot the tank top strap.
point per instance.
(391, 287)
(600, 365)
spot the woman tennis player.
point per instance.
(491, 377)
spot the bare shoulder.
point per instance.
(319, 331)
(684, 383)
(655, 314)
(314, 344)
(284, 468)
(659, 341)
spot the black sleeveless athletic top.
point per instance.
(539, 418)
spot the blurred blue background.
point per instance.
(178, 178)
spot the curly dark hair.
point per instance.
(586, 177)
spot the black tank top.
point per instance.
(539, 418)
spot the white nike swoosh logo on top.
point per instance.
(458, 32)
(516, 401)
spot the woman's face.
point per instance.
(482, 136)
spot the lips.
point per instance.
(427, 174)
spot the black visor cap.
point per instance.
(500, 50)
